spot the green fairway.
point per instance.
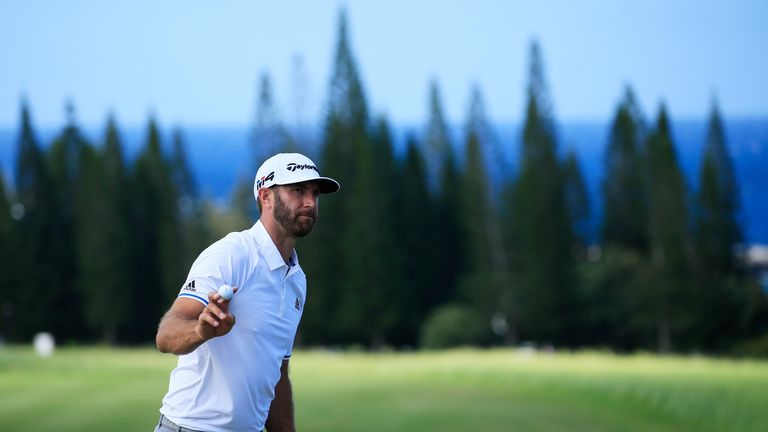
(90, 389)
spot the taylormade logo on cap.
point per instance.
(293, 167)
(289, 168)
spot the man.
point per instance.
(232, 372)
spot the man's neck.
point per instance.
(284, 242)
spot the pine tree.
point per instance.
(718, 207)
(577, 200)
(617, 309)
(417, 258)
(299, 106)
(33, 304)
(367, 308)
(449, 241)
(437, 139)
(156, 236)
(117, 183)
(485, 284)
(476, 198)
(194, 234)
(67, 157)
(269, 135)
(8, 262)
(541, 235)
(578, 208)
(669, 238)
(624, 192)
(104, 238)
(331, 315)
(717, 232)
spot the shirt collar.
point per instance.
(269, 250)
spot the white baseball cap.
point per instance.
(289, 168)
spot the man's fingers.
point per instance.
(216, 298)
(206, 317)
(217, 312)
(215, 305)
(221, 300)
(213, 297)
(230, 319)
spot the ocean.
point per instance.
(220, 156)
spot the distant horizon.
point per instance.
(649, 117)
(219, 155)
(199, 63)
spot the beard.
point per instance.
(293, 222)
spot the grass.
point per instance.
(89, 389)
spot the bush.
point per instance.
(451, 326)
(756, 347)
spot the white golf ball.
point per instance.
(226, 292)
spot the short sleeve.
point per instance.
(221, 263)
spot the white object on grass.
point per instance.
(44, 344)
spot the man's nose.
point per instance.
(310, 201)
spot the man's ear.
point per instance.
(265, 196)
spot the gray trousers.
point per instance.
(165, 425)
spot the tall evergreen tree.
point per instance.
(8, 261)
(486, 283)
(624, 192)
(156, 236)
(193, 232)
(437, 139)
(67, 157)
(104, 238)
(578, 231)
(269, 135)
(717, 232)
(37, 198)
(448, 242)
(367, 310)
(718, 202)
(299, 122)
(541, 234)
(577, 200)
(617, 309)
(117, 182)
(419, 263)
(475, 204)
(326, 253)
(670, 251)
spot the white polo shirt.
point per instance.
(228, 382)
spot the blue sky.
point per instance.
(198, 62)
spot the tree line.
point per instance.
(441, 245)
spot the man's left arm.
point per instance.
(280, 417)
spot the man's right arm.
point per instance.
(189, 323)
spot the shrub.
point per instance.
(756, 347)
(451, 326)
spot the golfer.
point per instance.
(232, 372)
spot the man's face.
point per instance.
(296, 207)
